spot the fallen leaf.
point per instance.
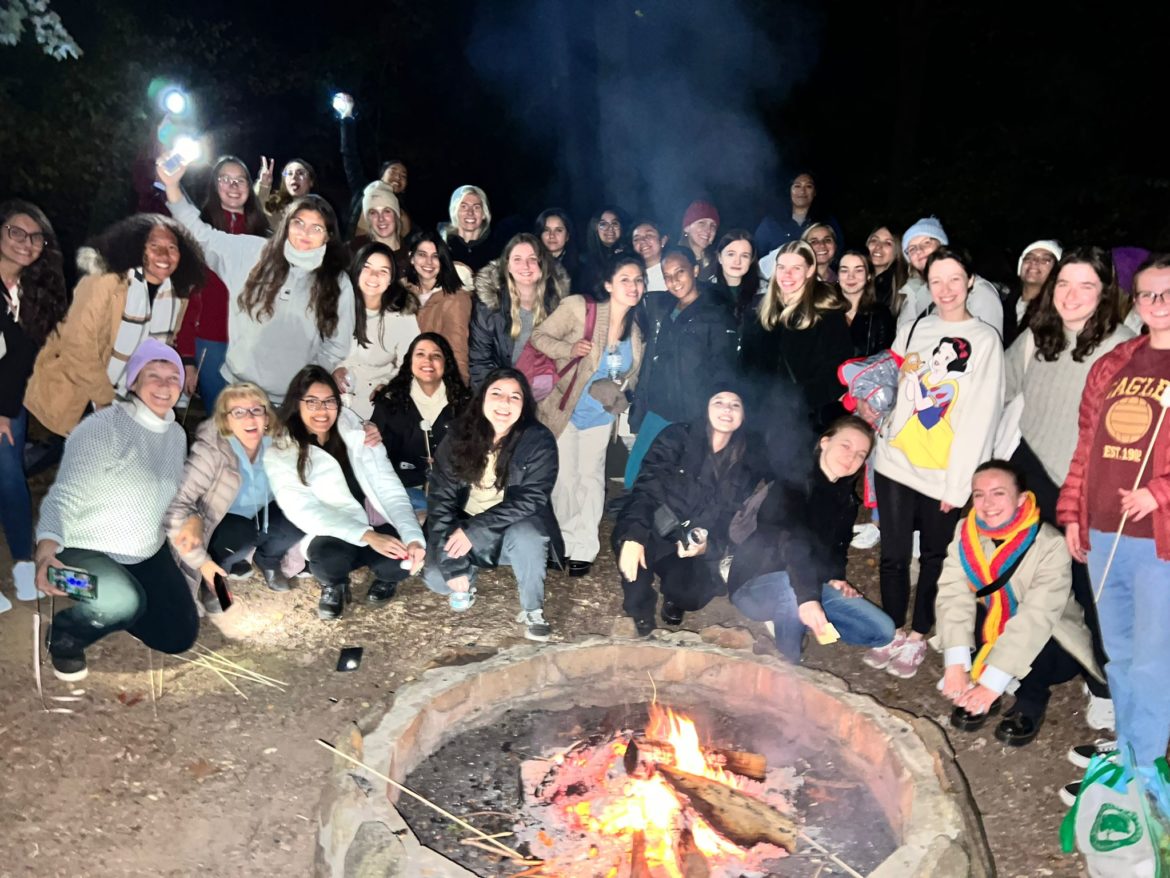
(200, 769)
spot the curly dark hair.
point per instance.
(258, 297)
(1044, 320)
(448, 280)
(255, 222)
(472, 435)
(289, 415)
(123, 245)
(395, 298)
(397, 389)
(43, 296)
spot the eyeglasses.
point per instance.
(928, 248)
(239, 412)
(1039, 259)
(1149, 297)
(301, 226)
(315, 405)
(232, 182)
(299, 173)
(19, 235)
(605, 225)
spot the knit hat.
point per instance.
(378, 195)
(700, 210)
(148, 351)
(929, 226)
(1050, 246)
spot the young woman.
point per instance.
(735, 281)
(1102, 511)
(604, 240)
(789, 222)
(416, 409)
(690, 349)
(489, 500)
(297, 179)
(32, 302)
(823, 240)
(798, 339)
(889, 265)
(1032, 272)
(393, 172)
(232, 207)
(290, 302)
(513, 296)
(871, 326)
(342, 493)
(469, 232)
(385, 323)
(1006, 610)
(648, 242)
(103, 516)
(224, 517)
(555, 230)
(444, 306)
(675, 523)
(700, 225)
(949, 401)
(380, 222)
(790, 570)
(140, 273)
(605, 340)
(1075, 322)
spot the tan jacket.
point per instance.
(449, 314)
(71, 370)
(555, 337)
(1043, 586)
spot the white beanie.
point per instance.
(1051, 246)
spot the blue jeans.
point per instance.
(15, 502)
(1133, 612)
(524, 549)
(770, 598)
(418, 499)
(211, 382)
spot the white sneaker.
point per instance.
(866, 536)
(24, 574)
(535, 626)
(771, 629)
(881, 656)
(1099, 714)
(1082, 754)
(5, 604)
(1068, 793)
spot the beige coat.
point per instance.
(1043, 586)
(449, 314)
(555, 338)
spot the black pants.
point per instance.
(904, 510)
(1046, 491)
(236, 536)
(688, 583)
(1051, 667)
(332, 560)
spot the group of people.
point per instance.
(438, 402)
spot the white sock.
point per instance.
(25, 573)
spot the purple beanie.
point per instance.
(1125, 262)
(148, 351)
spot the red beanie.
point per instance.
(700, 210)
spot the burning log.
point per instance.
(639, 868)
(753, 765)
(736, 815)
(694, 864)
(741, 762)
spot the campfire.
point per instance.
(654, 804)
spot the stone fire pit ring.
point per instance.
(905, 761)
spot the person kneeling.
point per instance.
(790, 571)
(1005, 594)
(490, 499)
(341, 492)
(102, 517)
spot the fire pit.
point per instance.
(616, 758)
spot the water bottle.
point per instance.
(613, 362)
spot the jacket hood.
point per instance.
(90, 261)
(489, 280)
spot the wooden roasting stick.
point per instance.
(639, 868)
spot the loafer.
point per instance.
(1017, 730)
(671, 613)
(381, 592)
(332, 602)
(276, 580)
(580, 568)
(644, 627)
(965, 721)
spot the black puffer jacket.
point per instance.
(803, 527)
(490, 344)
(681, 474)
(532, 472)
(872, 331)
(686, 358)
(400, 424)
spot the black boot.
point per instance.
(67, 657)
(333, 599)
(276, 580)
(672, 614)
(971, 722)
(1016, 729)
(381, 592)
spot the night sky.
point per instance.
(1011, 123)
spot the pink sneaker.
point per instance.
(879, 657)
(905, 663)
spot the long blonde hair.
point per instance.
(546, 269)
(814, 298)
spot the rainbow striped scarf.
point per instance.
(1014, 537)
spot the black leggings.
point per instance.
(236, 536)
(904, 510)
(688, 583)
(332, 560)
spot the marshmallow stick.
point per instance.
(198, 369)
(426, 431)
(1165, 403)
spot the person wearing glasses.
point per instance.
(606, 238)
(342, 493)
(224, 517)
(1114, 526)
(297, 179)
(290, 299)
(32, 302)
(1034, 268)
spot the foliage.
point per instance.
(48, 30)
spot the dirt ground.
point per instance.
(202, 782)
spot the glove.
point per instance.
(610, 395)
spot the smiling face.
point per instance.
(609, 228)
(160, 258)
(949, 286)
(626, 286)
(919, 250)
(702, 233)
(792, 273)
(426, 363)
(802, 191)
(725, 412)
(503, 403)
(375, 276)
(231, 184)
(1037, 265)
(844, 453)
(395, 177)
(524, 266)
(248, 419)
(318, 410)
(823, 243)
(158, 386)
(851, 276)
(680, 277)
(383, 222)
(297, 181)
(881, 247)
(1155, 315)
(307, 230)
(995, 496)
(25, 252)
(426, 262)
(735, 259)
(1076, 294)
(554, 235)
(470, 215)
(648, 243)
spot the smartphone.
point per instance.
(350, 658)
(221, 592)
(173, 162)
(78, 584)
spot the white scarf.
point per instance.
(307, 260)
(430, 407)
